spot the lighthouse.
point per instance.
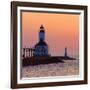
(41, 48)
(65, 54)
(42, 34)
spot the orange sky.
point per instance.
(61, 30)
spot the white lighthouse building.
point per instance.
(41, 48)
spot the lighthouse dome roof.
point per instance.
(41, 43)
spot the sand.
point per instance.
(69, 67)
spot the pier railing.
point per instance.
(27, 52)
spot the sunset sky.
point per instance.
(61, 30)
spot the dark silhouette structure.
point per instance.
(66, 55)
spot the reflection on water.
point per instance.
(69, 67)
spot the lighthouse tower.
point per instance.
(42, 34)
(65, 54)
(41, 48)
